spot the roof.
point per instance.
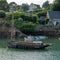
(54, 14)
(42, 17)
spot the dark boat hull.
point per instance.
(25, 45)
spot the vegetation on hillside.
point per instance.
(24, 20)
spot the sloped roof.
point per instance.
(54, 14)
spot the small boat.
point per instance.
(27, 45)
(36, 38)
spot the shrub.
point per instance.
(25, 26)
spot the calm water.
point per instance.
(50, 53)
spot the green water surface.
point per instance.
(50, 53)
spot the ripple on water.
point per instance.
(6, 54)
(52, 53)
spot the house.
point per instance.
(54, 17)
(32, 7)
(42, 17)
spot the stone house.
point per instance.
(54, 17)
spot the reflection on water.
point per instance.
(50, 53)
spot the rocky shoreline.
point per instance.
(53, 31)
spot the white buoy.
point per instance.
(59, 38)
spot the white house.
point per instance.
(32, 7)
(54, 17)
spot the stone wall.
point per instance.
(48, 30)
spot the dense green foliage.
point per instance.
(56, 5)
(2, 14)
(24, 20)
(25, 7)
(42, 13)
(4, 5)
(24, 25)
(46, 4)
(23, 15)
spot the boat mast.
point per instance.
(12, 21)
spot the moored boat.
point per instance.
(27, 45)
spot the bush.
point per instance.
(24, 16)
(28, 27)
(16, 14)
(25, 26)
(42, 13)
(8, 16)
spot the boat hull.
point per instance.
(26, 45)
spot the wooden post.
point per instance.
(12, 27)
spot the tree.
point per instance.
(56, 5)
(18, 7)
(46, 4)
(25, 7)
(38, 6)
(4, 5)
